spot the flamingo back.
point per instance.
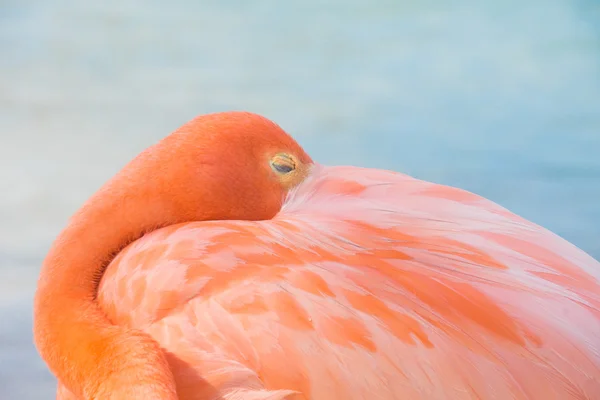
(368, 284)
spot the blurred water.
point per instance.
(498, 97)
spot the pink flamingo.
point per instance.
(223, 263)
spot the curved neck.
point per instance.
(82, 348)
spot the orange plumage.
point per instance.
(262, 275)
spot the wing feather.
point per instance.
(369, 284)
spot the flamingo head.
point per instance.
(231, 165)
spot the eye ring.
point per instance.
(283, 163)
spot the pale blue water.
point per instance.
(498, 97)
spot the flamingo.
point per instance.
(223, 263)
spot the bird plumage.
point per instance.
(223, 263)
(368, 284)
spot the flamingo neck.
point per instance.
(87, 353)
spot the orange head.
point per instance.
(232, 165)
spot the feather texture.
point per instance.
(368, 284)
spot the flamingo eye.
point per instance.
(283, 164)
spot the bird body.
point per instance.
(363, 284)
